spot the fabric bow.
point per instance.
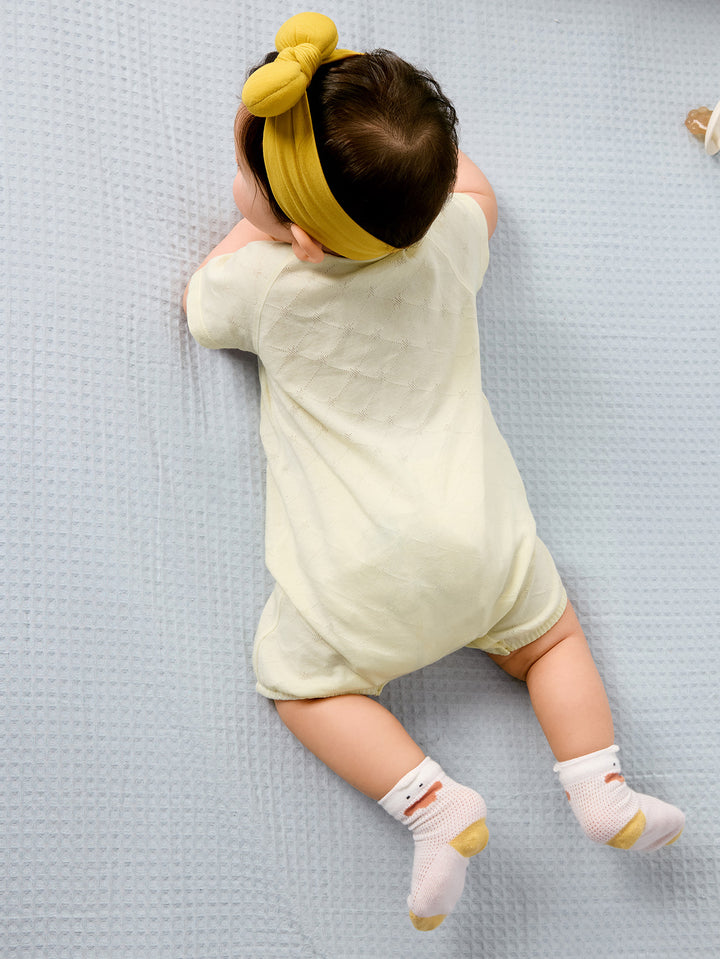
(277, 92)
(303, 43)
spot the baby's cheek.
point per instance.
(238, 191)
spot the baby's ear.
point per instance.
(304, 247)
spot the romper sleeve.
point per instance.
(226, 296)
(464, 234)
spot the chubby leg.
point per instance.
(364, 744)
(356, 737)
(571, 705)
(565, 689)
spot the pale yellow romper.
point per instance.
(397, 526)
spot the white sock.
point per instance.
(447, 821)
(612, 813)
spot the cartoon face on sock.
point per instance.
(424, 795)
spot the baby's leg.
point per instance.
(571, 705)
(565, 689)
(356, 737)
(364, 744)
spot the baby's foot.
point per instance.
(612, 813)
(447, 821)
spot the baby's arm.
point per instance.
(240, 235)
(473, 182)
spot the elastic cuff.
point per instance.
(584, 767)
(396, 801)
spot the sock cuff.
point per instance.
(584, 767)
(396, 800)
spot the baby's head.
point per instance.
(386, 140)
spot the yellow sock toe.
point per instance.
(425, 923)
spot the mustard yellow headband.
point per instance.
(277, 91)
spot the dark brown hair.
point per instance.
(387, 141)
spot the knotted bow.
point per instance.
(277, 91)
(303, 43)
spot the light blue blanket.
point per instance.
(152, 805)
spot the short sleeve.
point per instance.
(461, 231)
(226, 296)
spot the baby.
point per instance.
(398, 529)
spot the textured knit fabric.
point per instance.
(612, 813)
(447, 821)
(152, 807)
(397, 523)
